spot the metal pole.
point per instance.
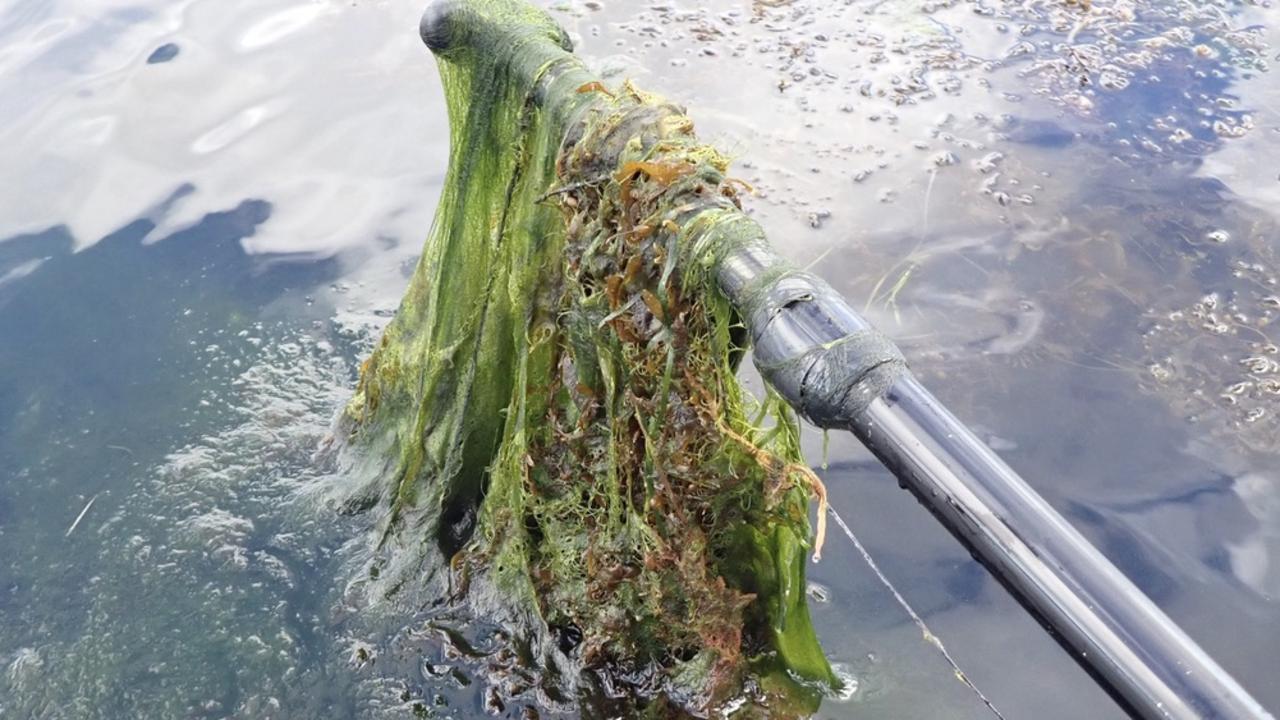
(837, 370)
(841, 373)
(1114, 628)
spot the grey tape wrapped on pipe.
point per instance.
(816, 351)
(829, 380)
(831, 384)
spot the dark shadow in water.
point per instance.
(101, 344)
(103, 369)
(1129, 552)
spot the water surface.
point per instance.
(1064, 212)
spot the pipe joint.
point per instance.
(816, 352)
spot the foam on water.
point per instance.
(215, 554)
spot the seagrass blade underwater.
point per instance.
(551, 427)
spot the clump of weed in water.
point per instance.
(552, 426)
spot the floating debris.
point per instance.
(80, 517)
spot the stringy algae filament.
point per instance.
(551, 426)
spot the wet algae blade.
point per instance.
(840, 373)
(552, 421)
(556, 438)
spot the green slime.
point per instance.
(553, 416)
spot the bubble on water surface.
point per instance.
(220, 526)
(1218, 358)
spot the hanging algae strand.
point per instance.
(552, 422)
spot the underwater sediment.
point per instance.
(552, 423)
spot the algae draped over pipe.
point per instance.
(553, 418)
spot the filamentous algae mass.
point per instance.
(552, 426)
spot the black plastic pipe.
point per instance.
(839, 372)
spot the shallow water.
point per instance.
(1064, 213)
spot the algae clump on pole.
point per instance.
(552, 420)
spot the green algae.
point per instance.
(553, 423)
